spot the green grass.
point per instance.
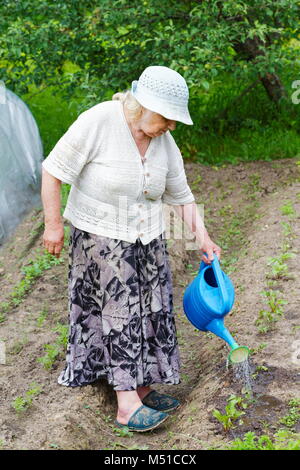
(253, 128)
(52, 113)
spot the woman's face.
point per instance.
(154, 124)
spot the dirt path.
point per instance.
(243, 215)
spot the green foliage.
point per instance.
(123, 432)
(279, 269)
(223, 49)
(42, 317)
(267, 317)
(52, 112)
(63, 331)
(33, 270)
(53, 351)
(287, 228)
(282, 440)
(117, 43)
(288, 209)
(21, 404)
(293, 417)
(233, 411)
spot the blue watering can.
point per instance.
(206, 301)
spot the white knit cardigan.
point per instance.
(114, 193)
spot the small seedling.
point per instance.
(287, 229)
(123, 432)
(257, 370)
(52, 353)
(21, 404)
(293, 417)
(260, 347)
(288, 209)
(267, 317)
(282, 440)
(279, 268)
(232, 414)
(42, 317)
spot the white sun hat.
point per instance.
(163, 91)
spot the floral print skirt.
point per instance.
(121, 321)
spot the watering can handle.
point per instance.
(220, 281)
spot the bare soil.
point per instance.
(242, 213)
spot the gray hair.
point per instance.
(133, 107)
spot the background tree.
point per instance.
(223, 49)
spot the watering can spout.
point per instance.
(237, 353)
(217, 327)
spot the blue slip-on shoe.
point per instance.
(144, 419)
(160, 402)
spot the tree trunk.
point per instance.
(250, 50)
(273, 87)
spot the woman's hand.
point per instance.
(53, 238)
(210, 247)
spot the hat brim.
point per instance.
(165, 108)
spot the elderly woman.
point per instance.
(123, 163)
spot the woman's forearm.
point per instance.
(190, 214)
(50, 194)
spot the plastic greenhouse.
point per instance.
(21, 155)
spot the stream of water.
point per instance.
(242, 373)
